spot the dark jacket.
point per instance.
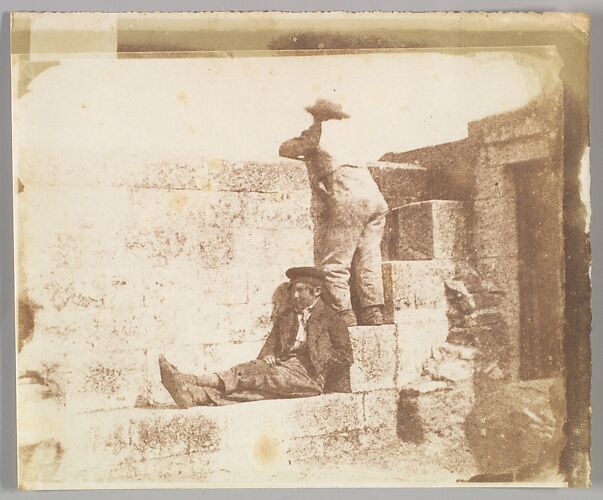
(328, 340)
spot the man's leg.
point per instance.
(184, 388)
(367, 271)
(287, 379)
(335, 241)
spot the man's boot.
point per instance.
(348, 316)
(183, 389)
(372, 315)
(171, 380)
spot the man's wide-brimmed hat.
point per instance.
(296, 273)
(324, 110)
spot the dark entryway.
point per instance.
(538, 187)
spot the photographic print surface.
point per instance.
(296, 250)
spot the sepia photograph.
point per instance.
(301, 249)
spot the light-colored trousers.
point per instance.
(349, 220)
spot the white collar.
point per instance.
(306, 312)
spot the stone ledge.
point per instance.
(121, 444)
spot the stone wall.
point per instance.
(518, 234)
(508, 173)
(132, 258)
(128, 260)
(500, 367)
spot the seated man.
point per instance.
(308, 352)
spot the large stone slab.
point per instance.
(496, 228)
(375, 357)
(420, 332)
(436, 413)
(258, 177)
(96, 444)
(400, 183)
(521, 150)
(435, 229)
(249, 442)
(415, 285)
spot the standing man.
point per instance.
(349, 218)
(308, 352)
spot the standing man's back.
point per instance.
(349, 219)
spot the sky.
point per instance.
(243, 108)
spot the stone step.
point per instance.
(375, 357)
(384, 356)
(415, 301)
(401, 183)
(375, 361)
(262, 439)
(420, 332)
(425, 230)
(415, 284)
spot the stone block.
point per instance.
(183, 210)
(281, 440)
(283, 420)
(54, 239)
(266, 284)
(103, 446)
(381, 412)
(118, 169)
(103, 380)
(276, 248)
(65, 293)
(162, 246)
(448, 370)
(238, 323)
(223, 285)
(178, 174)
(276, 210)
(326, 449)
(258, 177)
(400, 183)
(499, 276)
(164, 313)
(246, 429)
(375, 357)
(164, 433)
(434, 229)
(452, 351)
(419, 333)
(439, 416)
(495, 232)
(188, 470)
(415, 285)
(520, 150)
(493, 181)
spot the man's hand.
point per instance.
(269, 360)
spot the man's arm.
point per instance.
(271, 344)
(299, 147)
